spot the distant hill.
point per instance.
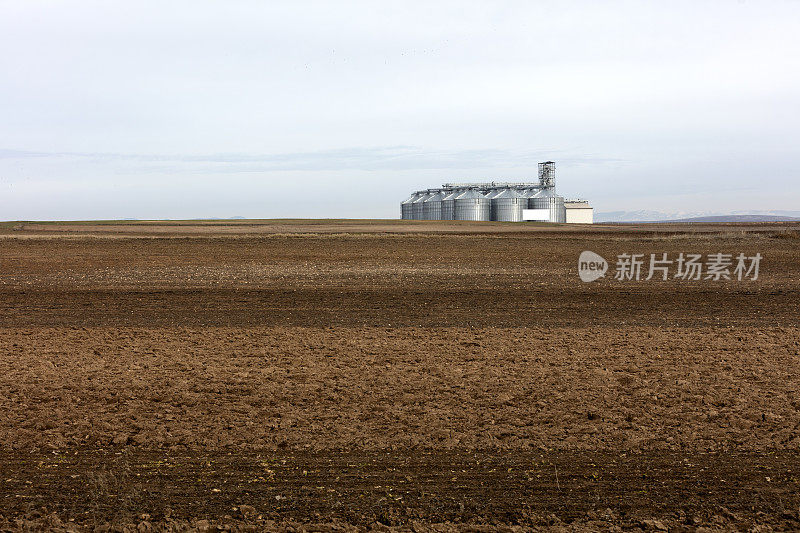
(736, 218)
(658, 216)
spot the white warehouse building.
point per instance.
(579, 212)
(500, 201)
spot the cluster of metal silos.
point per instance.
(478, 202)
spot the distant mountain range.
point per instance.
(735, 216)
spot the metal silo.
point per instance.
(405, 207)
(448, 205)
(472, 205)
(559, 208)
(489, 193)
(507, 206)
(547, 199)
(540, 200)
(432, 206)
(416, 205)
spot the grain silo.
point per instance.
(547, 199)
(432, 206)
(416, 205)
(448, 205)
(507, 205)
(472, 205)
(405, 207)
(558, 210)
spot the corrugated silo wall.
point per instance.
(448, 208)
(472, 209)
(508, 209)
(555, 204)
(558, 213)
(432, 208)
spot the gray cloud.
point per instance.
(380, 158)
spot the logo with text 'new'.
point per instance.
(591, 266)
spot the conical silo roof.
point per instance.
(424, 195)
(410, 199)
(507, 193)
(435, 197)
(470, 194)
(450, 195)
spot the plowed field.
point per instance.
(338, 374)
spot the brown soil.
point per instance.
(419, 374)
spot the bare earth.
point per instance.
(412, 375)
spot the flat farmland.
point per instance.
(387, 374)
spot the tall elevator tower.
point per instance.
(547, 175)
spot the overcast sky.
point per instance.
(261, 109)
